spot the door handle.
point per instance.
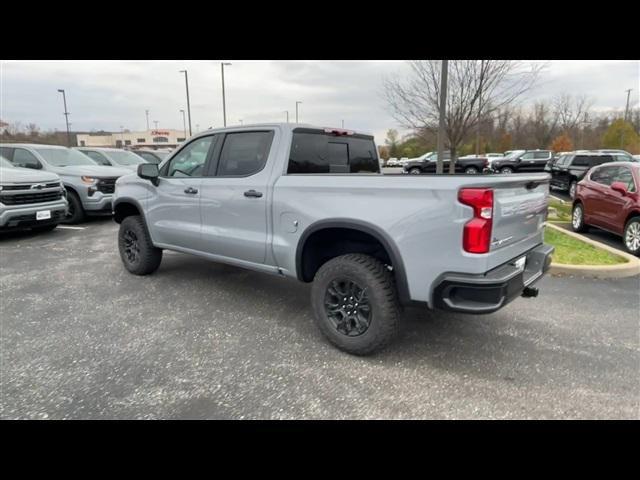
(191, 191)
(252, 193)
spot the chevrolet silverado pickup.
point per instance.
(310, 203)
(89, 186)
(29, 199)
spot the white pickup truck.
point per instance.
(310, 203)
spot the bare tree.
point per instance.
(494, 84)
(571, 111)
(544, 122)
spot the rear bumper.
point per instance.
(487, 293)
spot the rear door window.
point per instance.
(541, 155)
(314, 151)
(599, 160)
(244, 153)
(581, 161)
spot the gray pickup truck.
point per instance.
(89, 186)
(29, 199)
(310, 203)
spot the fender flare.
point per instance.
(368, 228)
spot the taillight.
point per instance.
(476, 237)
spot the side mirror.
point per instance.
(149, 171)
(619, 187)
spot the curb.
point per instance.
(621, 270)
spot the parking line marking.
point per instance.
(71, 228)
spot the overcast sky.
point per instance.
(109, 94)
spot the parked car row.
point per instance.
(43, 185)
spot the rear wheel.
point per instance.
(137, 252)
(415, 171)
(572, 189)
(577, 218)
(631, 236)
(75, 212)
(506, 170)
(355, 303)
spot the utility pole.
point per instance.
(443, 111)
(626, 110)
(66, 117)
(479, 108)
(297, 111)
(224, 100)
(184, 123)
(186, 82)
(147, 114)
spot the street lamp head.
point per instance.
(226, 63)
(60, 90)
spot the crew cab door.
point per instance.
(173, 211)
(234, 196)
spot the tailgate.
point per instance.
(519, 212)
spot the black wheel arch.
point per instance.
(374, 231)
(124, 207)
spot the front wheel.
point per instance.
(137, 252)
(471, 170)
(75, 211)
(506, 170)
(577, 218)
(415, 171)
(631, 236)
(355, 303)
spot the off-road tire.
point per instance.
(379, 283)
(147, 258)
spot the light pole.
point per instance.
(240, 121)
(224, 100)
(626, 110)
(197, 127)
(147, 114)
(342, 123)
(184, 123)
(287, 112)
(121, 136)
(186, 82)
(155, 122)
(297, 110)
(66, 116)
(443, 112)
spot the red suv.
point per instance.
(608, 198)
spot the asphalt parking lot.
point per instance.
(82, 338)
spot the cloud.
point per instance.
(109, 94)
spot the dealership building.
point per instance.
(153, 139)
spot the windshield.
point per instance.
(64, 157)
(515, 153)
(123, 157)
